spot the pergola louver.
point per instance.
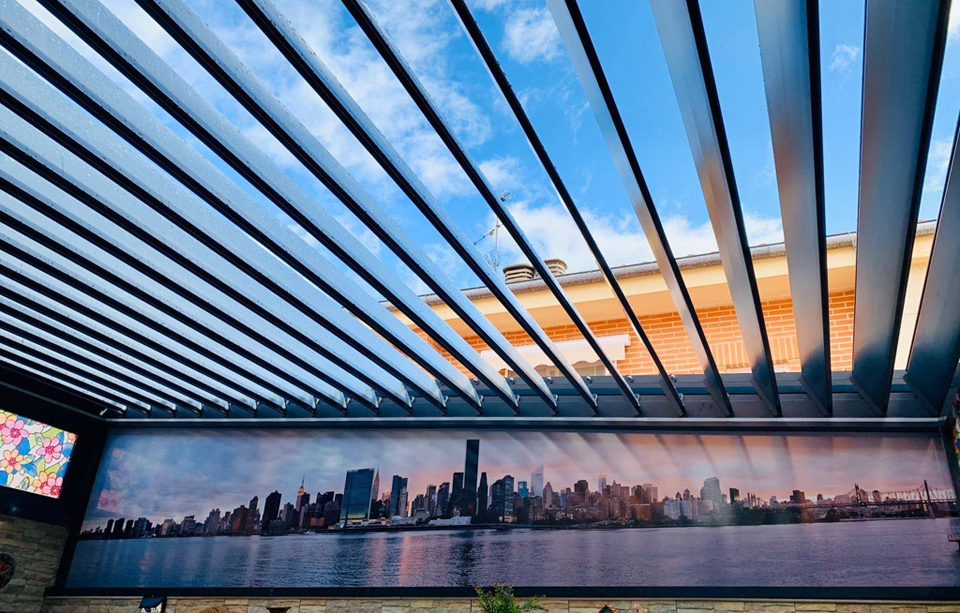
(688, 60)
(199, 175)
(576, 38)
(503, 85)
(137, 274)
(902, 58)
(790, 56)
(936, 339)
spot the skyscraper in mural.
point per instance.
(398, 497)
(536, 481)
(711, 490)
(271, 510)
(468, 502)
(300, 493)
(456, 494)
(358, 491)
(482, 491)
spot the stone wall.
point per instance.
(465, 605)
(36, 548)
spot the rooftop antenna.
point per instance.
(493, 257)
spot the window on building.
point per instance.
(584, 369)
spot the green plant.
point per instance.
(500, 599)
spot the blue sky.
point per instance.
(169, 474)
(528, 46)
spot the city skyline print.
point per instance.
(259, 497)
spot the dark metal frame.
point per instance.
(101, 303)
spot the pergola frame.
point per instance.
(139, 277)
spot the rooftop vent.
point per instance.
(556, 265)
(515, 273)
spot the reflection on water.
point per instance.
(891, 553)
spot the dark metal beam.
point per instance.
(222, 64)
(77, 341)
(936, 339)
(58, 374)
(688, 60)
(506, 90)
(411, 83)
(903, 55)
(111, 378)
(147, 346)
(76, 77)
(789, 32)
(276, 27)
(586, 62)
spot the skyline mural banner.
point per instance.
(450, 508)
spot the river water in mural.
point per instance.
(835, 555)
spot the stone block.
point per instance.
(728, 605)
(770, 607)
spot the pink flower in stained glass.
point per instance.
(48, 484)
(11, 461)
(12, 431)
(50, 449)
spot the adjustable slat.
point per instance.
(250, 162)
(73, 74)
(506, 90)
(936, 339)
(790, 54)
(314, 72)
(903, 54)
(49, 370)
(51, 378)
(419, 94)
(46, 350)
(71, 309)
(157, 232)
(45, 269)
(76, 259)
(585, 61)
(688, 60)
(100, 242)
(92, 349)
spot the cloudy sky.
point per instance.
(528, 46)
(160, 474)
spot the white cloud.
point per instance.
(843, 56)
(554, 234)
(938, 163)
(502, 172)
(488, 5)
(531, 35)
(763, 230)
